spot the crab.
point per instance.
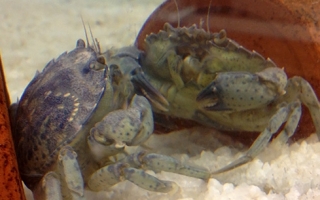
(74, 121)
(209, 78)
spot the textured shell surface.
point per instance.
(53, 108)
(206, 53)
(201, 55)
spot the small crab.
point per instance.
(209, 78)
(74, 121)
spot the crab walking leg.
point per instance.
(292, 122)
(298, 88)
(262, 141)
(127, 169)
(51, 187)
(158, 163)
(110, 175)
(48, 188)
(71, 172)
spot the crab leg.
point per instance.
(71, 172)
(72, 184)
(127, 169)
(49, 187)
(262, 141)
(158, 163)
(298, 88)
(292, 122)
(131, 127)
(110, 175)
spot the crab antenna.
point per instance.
(94, 44)
(98, 45)
(208, 16)
(176, 3)
(85, 31)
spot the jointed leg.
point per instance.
(65, 184)
(299, 88)
(262, 141)
(71, 172)
(48, 188)
(126, 169)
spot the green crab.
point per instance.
(211, 79)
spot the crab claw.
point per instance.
(143, 86)
(126, 59)
(239, 91)
(209, 98)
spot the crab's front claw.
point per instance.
(126, 60)
(143, 87)
(238, 91)
(209, 97)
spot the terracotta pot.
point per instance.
(284, 30)
(10, 182)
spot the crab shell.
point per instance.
(51, 113)
(284, 31)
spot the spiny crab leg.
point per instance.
(263, 139)
(298, 91)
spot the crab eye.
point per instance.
(81, 43)
(96, 65)
(101, 60)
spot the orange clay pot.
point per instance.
(287, 31)
(10, 182)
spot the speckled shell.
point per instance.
(53, 108)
